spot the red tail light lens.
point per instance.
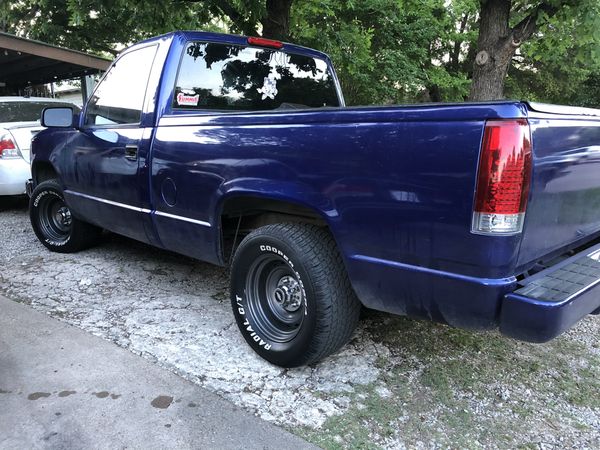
(262, 42)
(8, 149)
(503, 178)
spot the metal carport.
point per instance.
(25, 63)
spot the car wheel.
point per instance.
(53, 223)
(290, 294)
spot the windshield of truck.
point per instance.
(26, 111)
(230, 77)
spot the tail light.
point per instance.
(8, 148)
(503, 178)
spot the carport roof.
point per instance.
(25, 62)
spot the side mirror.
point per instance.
(59, 117)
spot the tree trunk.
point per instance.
(495, 49)
(434, 92)
(498, 42)
(276, 24)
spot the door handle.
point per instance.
(131, 152)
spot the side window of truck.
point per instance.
(119, 98)
(228, 77)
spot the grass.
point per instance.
(581, 388)
(464, 389)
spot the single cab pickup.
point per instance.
(240, 151)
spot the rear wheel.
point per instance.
(53, 223)
(290, 294)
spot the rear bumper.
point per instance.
(13, 175)
(553, 300)
(533, 310)
(457, 300)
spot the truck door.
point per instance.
(103, 162)
(198, 149)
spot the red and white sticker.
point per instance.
(187, 100)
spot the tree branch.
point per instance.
(455, 55)
(529, 25)
(226, 8)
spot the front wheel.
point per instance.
(53, 223)
(290, 294)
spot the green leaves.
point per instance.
(561, 63)
(99, 27)
(385, 51)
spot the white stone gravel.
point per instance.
(176, 311)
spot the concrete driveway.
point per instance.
(61, 387)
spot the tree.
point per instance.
(388, 51)
(109, 25)
(92, 26)
(557, 69)
(248, 16)
(498, 41)
(385, 51)
(276, 21)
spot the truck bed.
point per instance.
(397, 189)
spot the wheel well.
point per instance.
(241, 215)
(43, 171)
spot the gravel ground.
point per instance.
(398, 384)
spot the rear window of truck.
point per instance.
(227, 77)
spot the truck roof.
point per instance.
(233, 39)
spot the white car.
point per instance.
(19, 122)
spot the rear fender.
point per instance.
(287, 192)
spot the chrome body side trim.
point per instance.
(140, 210)
(108, 202)
(182, 218)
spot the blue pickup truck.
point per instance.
(240, 151)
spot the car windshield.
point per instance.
(26, 111)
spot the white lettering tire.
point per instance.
(53, 223)
(290, 294)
